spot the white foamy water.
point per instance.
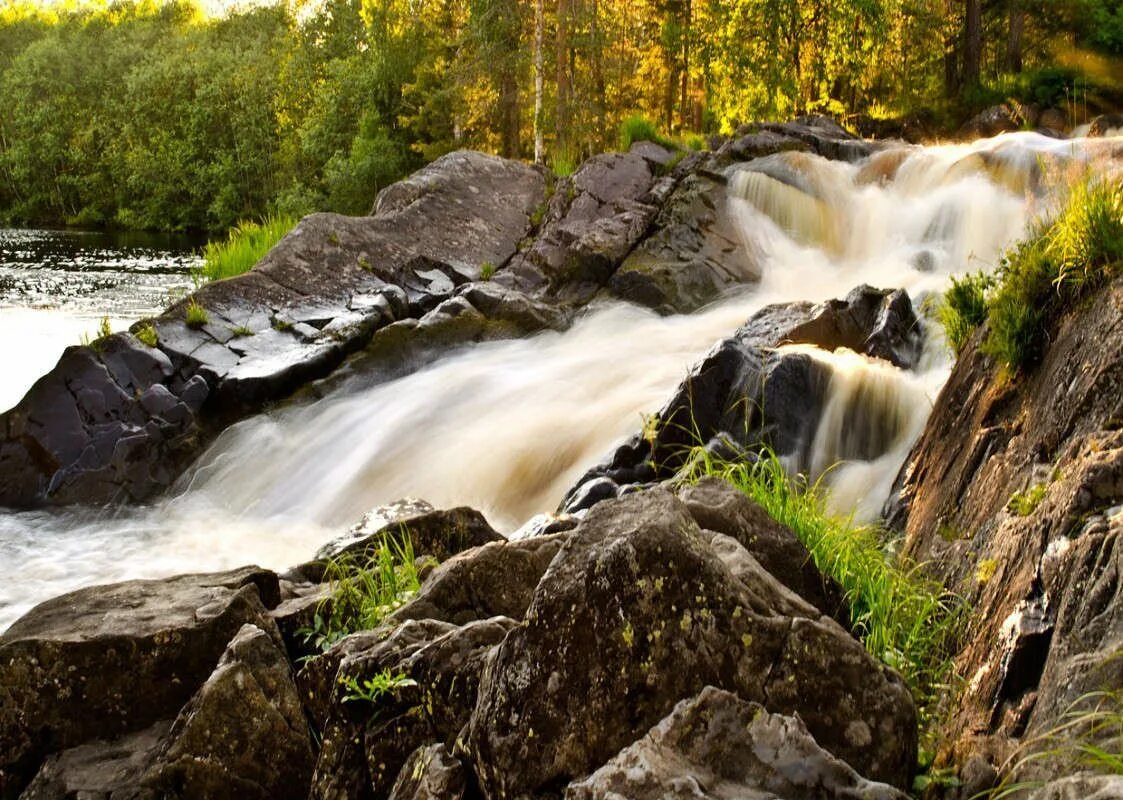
(508, 426)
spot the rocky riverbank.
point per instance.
(660, 635)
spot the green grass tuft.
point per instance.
(904, 619)
(1065, 259)
(195, 315)
(243, 247)
(963, 309)
(241, 331)
(1025, 503)
(487, 271)
(146, 333)
(638, 128)
(365, 590)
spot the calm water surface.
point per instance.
(56, 285)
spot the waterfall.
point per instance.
(508, 426)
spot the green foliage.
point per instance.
(195, 315)
(1026, 502)
(963, 309)
(243, 246)
(638, 128)
(103, 331)
(241, 331)
(365, 590)
(373, 689)
(1080, 249)
(487, 271)
(146, 333)
(904, 619)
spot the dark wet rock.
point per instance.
(365, 745)
(716, 506)
(745, 393)
(497, 579)
(243, 734)
(718, 747)
(823, 136)
(637, 612)
(431, 773)
(128, 655)
(694, 254)
(992, 121)
(436, 533)
(295, 615)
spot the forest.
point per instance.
(156, 115)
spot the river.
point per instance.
(507, 426)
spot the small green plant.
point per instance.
(241, 331)
(281, 325)
(1026, 502)
(364, 264)
(985, 570)
(638, 128)
(538, 215)
(696, 142)
(487, 271)
(333, 237)
(243, 246)
(963, 309)
(195, 315)
(146, 333)
(563, 163)
(364, 590)
(103, 331)
(373, 689)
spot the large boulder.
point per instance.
(636, 613)
(431, 773)
(716, 746)
(127, 655)
(119, 420)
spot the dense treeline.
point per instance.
(154, 115)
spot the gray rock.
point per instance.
(637, 612)
(128, 655)
(718, 747)
(431, 773)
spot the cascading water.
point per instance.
(508, 426)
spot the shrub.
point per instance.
(243, 247)
(365, 590)
(963, 309)
(904, 619)
(195, 315)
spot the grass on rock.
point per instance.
(1062, 261)
(243, 246)
(903, 618)
(195, 315)
(365, 589)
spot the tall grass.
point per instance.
(963, 309)
(903, 618)
(1061, 262)
(243, 246)
(365, 589)
(638, 128)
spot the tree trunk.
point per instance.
(951, 52)
(561, 45)
(539, 69)
(972, 43)
(1014, 41)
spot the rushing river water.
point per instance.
(56, 286)
(508, 426)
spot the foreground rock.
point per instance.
(719, 747)
(106, 661)
(1014, 494)
(636, 612)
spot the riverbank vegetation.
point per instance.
(153, 115)
(243, 246)
(1064, 258)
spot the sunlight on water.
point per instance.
(507, 426)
